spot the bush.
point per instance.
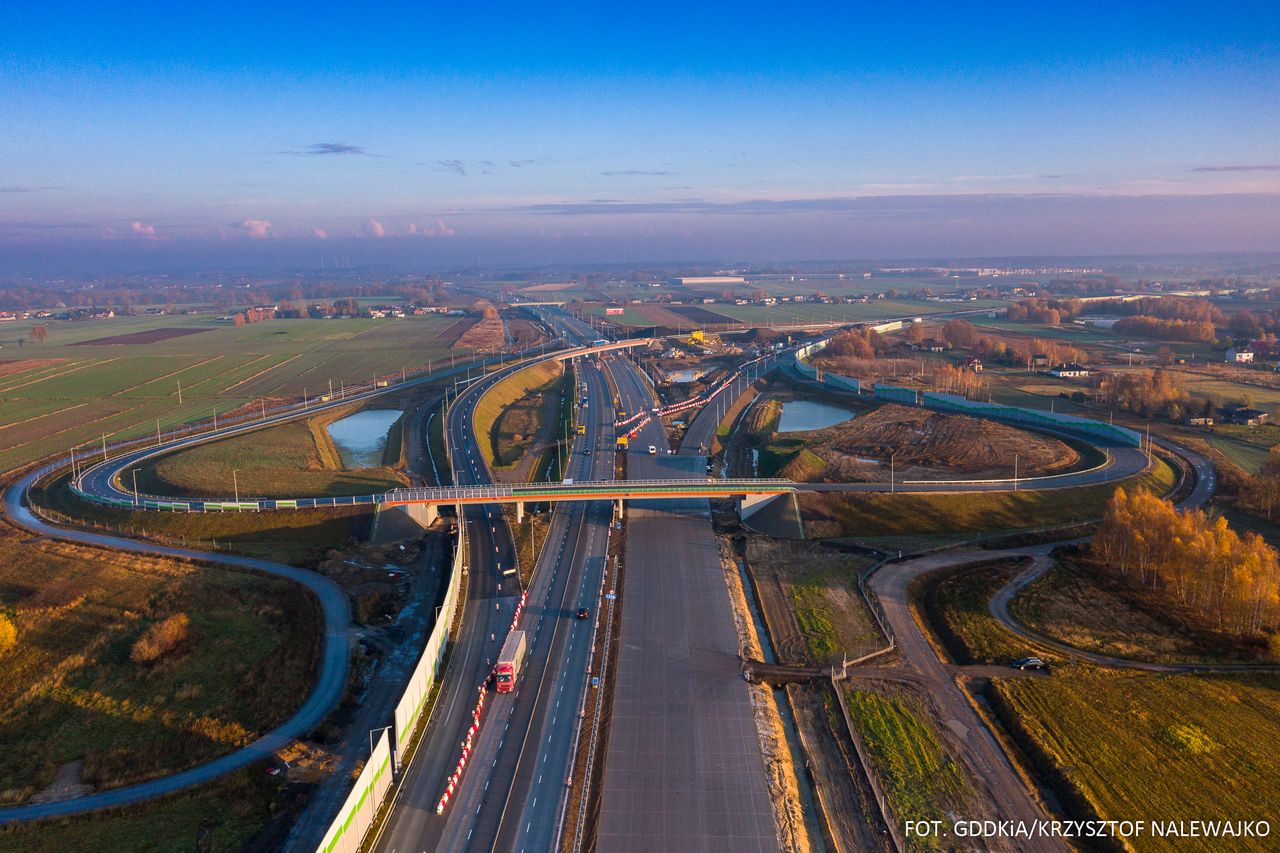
(8, 634)
(161, 639)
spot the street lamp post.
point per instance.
(135, 488)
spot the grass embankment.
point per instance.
(830, 515)
(811, 601)
(919, 779)
(954, 605)
(1166, 747)
(71, 691)
(221, 817)
(1077, 604)
(296, 459)
(298, 537)
(509, 415)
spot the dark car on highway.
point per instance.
(1030, 663)
(582, 613)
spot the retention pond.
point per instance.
(804, 415)
(361, 438)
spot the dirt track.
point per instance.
(987, 766)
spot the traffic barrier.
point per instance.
(356, 815)
(939, 401)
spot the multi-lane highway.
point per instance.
(683, 769)
(511, 795)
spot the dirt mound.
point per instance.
(486, 334)
(759, 335)
(927, 445)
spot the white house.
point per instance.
(1244, 355)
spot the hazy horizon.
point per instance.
(276, 137)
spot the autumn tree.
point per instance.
(1192, 559)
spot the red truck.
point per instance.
(510, 659)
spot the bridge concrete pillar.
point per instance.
(618, 508)
(749, 505)
(519, 512)
(422, 515)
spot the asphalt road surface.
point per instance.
(683, 769)
(413, 823)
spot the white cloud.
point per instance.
(146, 232)
(258, 229)
(320, 233)
(374, 228)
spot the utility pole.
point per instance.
(135, 488)
(179, 392)
(215, 418)
(264, 407)
(891, 486)
(104, 447)
(157, 432)
(235, 483)
(74, 474)
(1015, 472)
(330, 387)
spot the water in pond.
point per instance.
(801, 415)
(688, 374)
(362, 437)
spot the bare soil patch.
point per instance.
(450, 336)
(924, 444)
(486, 334)
(150, 336)
(8, 368)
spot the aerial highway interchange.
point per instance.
(682, 768)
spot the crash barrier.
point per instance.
(348, 829)
(1087, 428)
(939, 401)
(356, 815)
(826, 377)
(427, 671)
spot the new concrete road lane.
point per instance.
(683, 769)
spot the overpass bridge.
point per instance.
(422, 504)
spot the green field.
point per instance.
(955, 605)
(73, 395)
(920, 780)
(1166, 747)
(296, 459)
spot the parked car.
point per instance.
(1030, 663)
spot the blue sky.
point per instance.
(735, 131)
